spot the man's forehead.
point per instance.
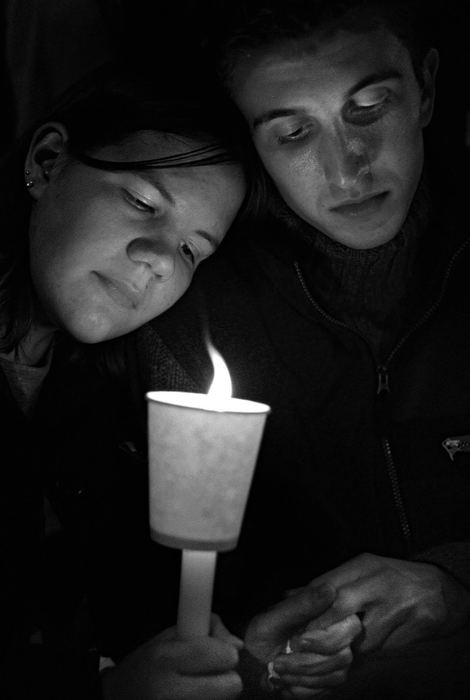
(325, 63)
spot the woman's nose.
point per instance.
(157, 255)
(346, 165)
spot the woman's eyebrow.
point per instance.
(372, 78)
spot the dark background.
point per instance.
(46, 45)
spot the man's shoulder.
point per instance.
(225, 282)
(225, 302)
(218, 301)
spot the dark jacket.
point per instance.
(325, 486)
(92, 446)
(357, 453)
(352, 458)
(47, 643)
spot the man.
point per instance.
(347, 312)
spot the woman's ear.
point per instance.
(430, 66)
(45, 155)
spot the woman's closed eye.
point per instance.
(140, 203)
(188, 252)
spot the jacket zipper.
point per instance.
(383, 390)
(383, 377)
(383, 397)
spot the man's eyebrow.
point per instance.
(378, 77)
(209, 238)
(373, 78)
(273, 114)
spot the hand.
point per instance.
(167, 667)
(319, 659)
(399, 601)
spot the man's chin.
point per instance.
(364, 236)
(359, 235)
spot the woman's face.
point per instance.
(112, 250)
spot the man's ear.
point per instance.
(45, 155)
(430, 66)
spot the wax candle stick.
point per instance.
(195, 598)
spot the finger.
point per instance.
(292, 591)
(225, 686)
(219, 631)
(330, 640)
(296, 692)
(203, 655)
(399, 636)
(137, 677)
(295, 612)
(316, 682)
(356, 568)
(168, 634)
(312, 664)
(380, 624)
(352, 599)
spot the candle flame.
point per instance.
(221, 387)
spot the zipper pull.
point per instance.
(383, 383)
(382, 407)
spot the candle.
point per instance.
(196, 584)
(202, 453)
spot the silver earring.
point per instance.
(29, 181)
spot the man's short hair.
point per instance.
(249, 25)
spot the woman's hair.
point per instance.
(102, 109)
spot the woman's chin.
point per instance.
(93, 328)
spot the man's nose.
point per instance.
(346, 165)
(158, 255)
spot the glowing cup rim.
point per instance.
(177, 399)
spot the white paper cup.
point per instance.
(201, 463)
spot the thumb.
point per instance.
(219, 631)
(297, 610)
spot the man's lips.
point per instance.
(360, 206)
(123, 293)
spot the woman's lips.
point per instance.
(122, 293)
(364, 207)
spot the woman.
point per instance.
(108, 211)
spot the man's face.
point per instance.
(338, 125)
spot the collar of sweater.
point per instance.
(367, 289)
